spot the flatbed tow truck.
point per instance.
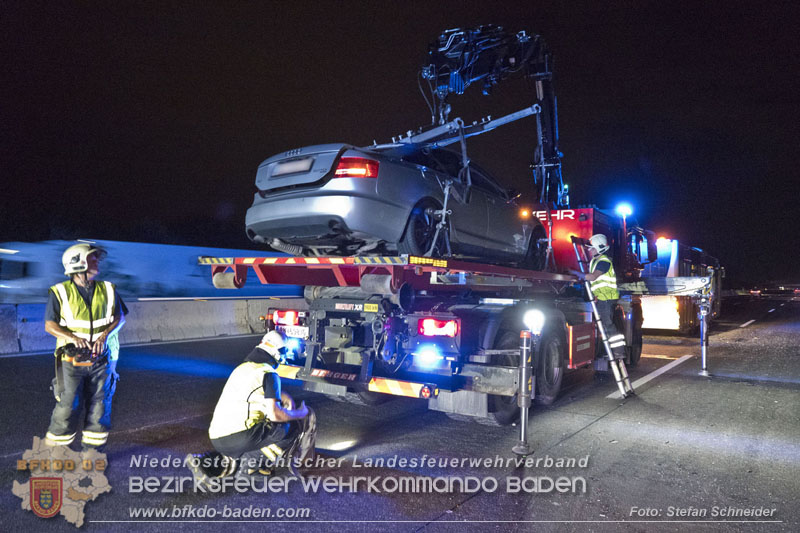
(441, 329)
(451, 330)
(438, 329)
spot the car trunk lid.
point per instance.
(299, 167)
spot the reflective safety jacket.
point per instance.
(84, 321)
(605, 286)
(242, 404)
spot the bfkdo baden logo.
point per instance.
(62, 481)
(46, 496)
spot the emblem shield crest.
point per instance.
(46, 496)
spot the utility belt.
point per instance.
(70, 353)
(77, 357)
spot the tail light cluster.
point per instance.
(434, 327)
(285, 318)
(356, 167)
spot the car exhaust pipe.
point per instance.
(285, 247)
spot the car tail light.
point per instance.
(432, 327)
(357, 167)
(285, 318)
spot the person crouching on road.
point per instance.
(254, 422)
(603, 282)
(85, 316)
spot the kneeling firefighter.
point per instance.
(254, 422)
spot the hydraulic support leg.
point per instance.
(704, 314)
(525, 393)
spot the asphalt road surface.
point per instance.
(685, 449)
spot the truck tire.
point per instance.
(549, 368)
(371, 398)
(635, 351)
(503, 410)
(366, 398)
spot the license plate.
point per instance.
(291, 167)
(301, 332)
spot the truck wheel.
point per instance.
(372, 398)
(635, 352)
(549, 368)
(503, 410)
(366, 398)
(420, 229)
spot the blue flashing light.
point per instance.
(427, 356)
(293, 344)
(624, 209)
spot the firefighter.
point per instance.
(85, 316)
(603, 282)
(255, 422)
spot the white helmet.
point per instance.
(74, 258)
(599, 243)
(274, 344)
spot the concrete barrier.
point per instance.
(22, 325)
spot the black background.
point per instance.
(146, 121)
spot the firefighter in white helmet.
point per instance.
(84, 315)
(603, 282)
(256, 426)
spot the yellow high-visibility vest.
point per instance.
(605, 286)
(83, 321)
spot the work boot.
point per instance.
(254, 469)
(220, 466)
(194, 462)
(303, 446)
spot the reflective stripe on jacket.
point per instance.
(83, 321)
(605, 286)
(242, 404)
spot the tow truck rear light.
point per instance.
(432, 327)
(285, 318)
(357, 167)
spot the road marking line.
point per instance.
(782, 305)
(659, 356)
(771, 310)
(654, 374)
(747, 323)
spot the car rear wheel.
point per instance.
(536, 257)
(420, 231)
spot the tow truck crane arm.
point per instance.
(461, 57)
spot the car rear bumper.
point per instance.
(311, 219)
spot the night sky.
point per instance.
(146, 121)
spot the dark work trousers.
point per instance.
(89, 387)
(253, 445)
(615, 338)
